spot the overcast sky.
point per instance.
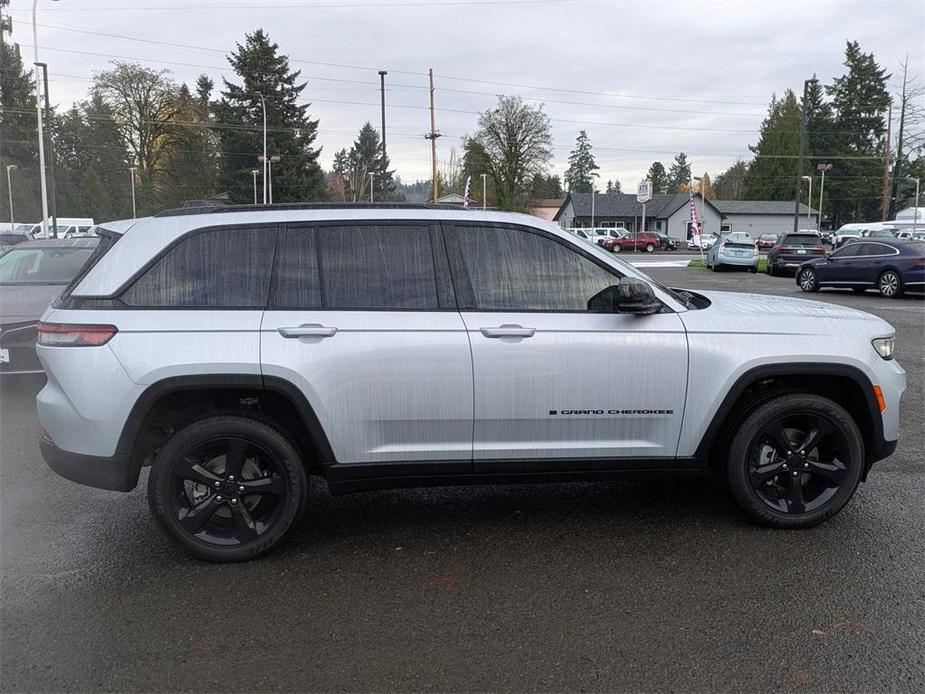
(645, 79)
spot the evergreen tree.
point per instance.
(730, 184)
(91, 164)
(19, 138)
(579, 177)
(772, 174)
(365, 158)
(544, 186)
(290, 132)
(859, 100)
(679, 174)
(659, 177)
(189, 169)
(613, 187)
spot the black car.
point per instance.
(32, 274)
(667, 243)
(792, 250)
(889, 266)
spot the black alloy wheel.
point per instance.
(808, 281)
(796, 461)
(227, 488)
(890, 284)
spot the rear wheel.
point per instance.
(227, 488)
(795, 461)
(650, 247)
(890, 284)
(808, 281)
(616, 248)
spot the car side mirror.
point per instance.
(629, 295)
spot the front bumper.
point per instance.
(116, 473)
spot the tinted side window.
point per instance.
(516, 270)
(875, 249)
(220, 268)
(848, 251)
(297, 283)
(389, 266)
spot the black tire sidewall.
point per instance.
(737, 463)
(160, 483)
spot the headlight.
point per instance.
(885, 346)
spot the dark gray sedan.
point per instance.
(32, 274)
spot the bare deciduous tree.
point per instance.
(512, 145)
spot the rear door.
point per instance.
(553, 380)
(362, 319)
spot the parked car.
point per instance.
(910, 234)
(667, 243)
(766, 242)
(889, 266)
(847, 233)
(735, 249)
(388, 346)
(640, 241)
(792, 250)
(31, 275)
(603, 234)
(11, 237)
(706, 242)
(878, 234)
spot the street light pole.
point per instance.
(592, 209)
(809, 219)
(254, 174)
(372, 178)
(9, 187)
(382, 74)
(132, 170)
(263, 105)
(41, 129)
(52, 195)
(823, 168)
(915, 212)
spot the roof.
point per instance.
(625, 205)
(781, 207)
(289, 207)
(545, 202)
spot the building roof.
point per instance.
(781, 207)
(625, 205)
(545, 202)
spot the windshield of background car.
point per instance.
(800, 240)
(42, 265)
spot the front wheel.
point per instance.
(795, 461)
(227, 488)
(650, 247)
(616, 248)
(808, 281)
(890, 284)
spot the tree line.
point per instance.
(177, 143)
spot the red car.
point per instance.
(766, 242)
(642, 241)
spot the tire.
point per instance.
(650, 247)
(769, 268)
(616, 248)
(890, 284)
(753, 269)
(778, 484)
(715, 267)
(808, 281)
(202, 509)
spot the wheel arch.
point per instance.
(264, 397)
(845, 384)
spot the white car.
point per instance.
(706, 242)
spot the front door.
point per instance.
(552, 380)
(363, 321)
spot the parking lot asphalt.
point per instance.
(624, 586)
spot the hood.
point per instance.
(27, 302)
(760, 313)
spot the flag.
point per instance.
(695, 223)
(468, 192)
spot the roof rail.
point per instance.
(221, 209)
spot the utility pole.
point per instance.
(432, 136)
(823, 168)
(263, 105)
(372, 178)
(799, 178)
(885, 199)
(382, 74)
(484, 192)
(52, 196)
(254, 174)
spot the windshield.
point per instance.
(42, 265)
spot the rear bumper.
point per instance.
(116, 473)
(738, 261)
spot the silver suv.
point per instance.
(236, 350)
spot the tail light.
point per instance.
(63, 335)
(918, 262)
(820, 248)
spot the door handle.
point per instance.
(508, 331)
(308, 330)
